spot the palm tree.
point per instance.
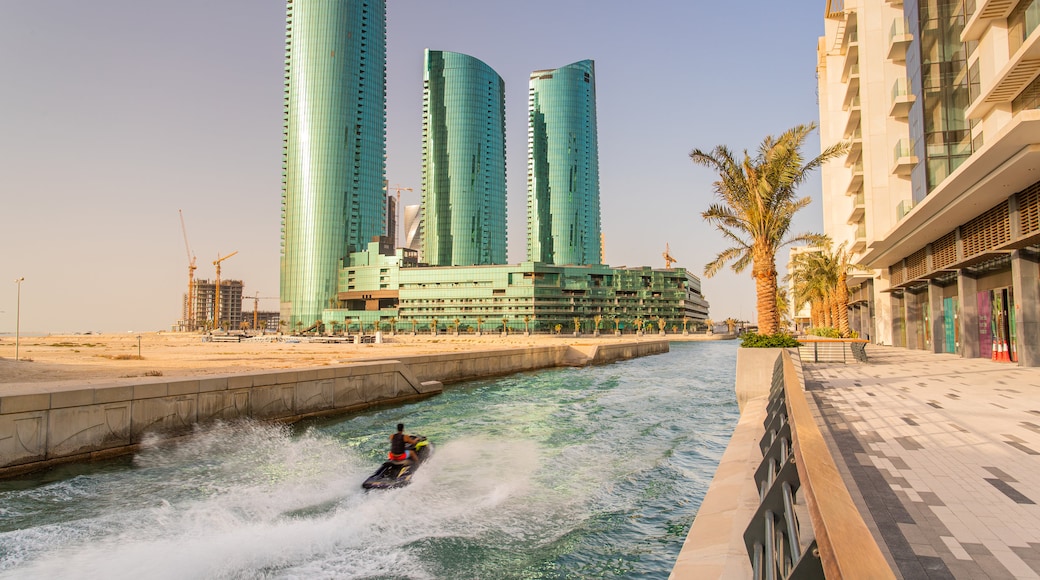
(661, 324)
(814, 278)
(821, 278)
(597, 319)
(843, 263)
(527, 324)
(709, 326)
(393, 326)
(577, 325)
(685, 321)
(758, 201)
(480, 324)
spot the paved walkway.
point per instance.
(942, 455)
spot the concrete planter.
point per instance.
(754, 373)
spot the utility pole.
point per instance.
(18, 318)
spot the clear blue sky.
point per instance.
(117, 113)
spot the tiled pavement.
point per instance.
(942, 456)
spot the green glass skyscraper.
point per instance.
(464, 162)
(334, 146)
(563, 219)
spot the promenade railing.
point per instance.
(798, 480)
(844, 350)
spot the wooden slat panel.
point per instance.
(987, 231)
(1029, 210)
(944, 251)
(917, 264)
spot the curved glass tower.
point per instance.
(464, 162)
(334, 146)
(563, 221)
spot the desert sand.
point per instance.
(58, 362)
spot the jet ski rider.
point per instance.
(398, 443)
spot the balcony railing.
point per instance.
(899, 38)
(903, 157)
(902, 99)
(903, 208)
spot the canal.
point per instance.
(592, 472)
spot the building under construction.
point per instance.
(204, 304)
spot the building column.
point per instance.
(896, 319)
(935, 308)
(1025, 278)
(914, 318)
(967, 289)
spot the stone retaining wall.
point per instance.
(39, 430)
(714, 547)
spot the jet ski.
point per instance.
(393, 474)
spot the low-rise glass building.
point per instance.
(387, 289)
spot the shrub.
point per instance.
(754, 340)
(825, 332)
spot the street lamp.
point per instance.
(18, 317)
(138, 347)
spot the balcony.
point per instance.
(1016, 75)
(855, 148)
(985, 12)
(903, 157)
(851, 88)
(860, 242)
(899, 39)
(854, 115)
(856, 184)
(858, 209)
(851, 60)
(904, 208)
(902, 100)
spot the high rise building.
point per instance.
(939, 196)
(412, 227)
(334, 145)
(464, 162)
(563, 210)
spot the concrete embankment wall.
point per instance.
(715, 548)
(39, 430)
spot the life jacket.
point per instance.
(397, 444)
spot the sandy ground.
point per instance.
(57, 362)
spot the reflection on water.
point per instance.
(590, 473)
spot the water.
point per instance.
(567, 473)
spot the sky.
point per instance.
(119, 113)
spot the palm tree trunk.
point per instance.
(827, 311)
(765, 288)
(843, 306)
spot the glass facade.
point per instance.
(563, 210)
(938, 69)
(334, 146)
(377, 288)
(464, 162)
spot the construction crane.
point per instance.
(191, 277)
(256, 306)
(216, 290)
(668, 259)
(399, 241)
